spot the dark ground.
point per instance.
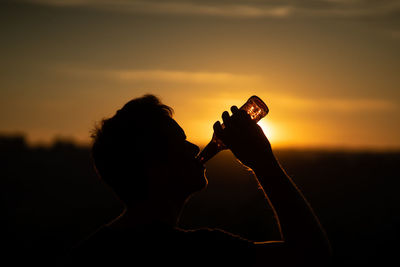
(51, 198)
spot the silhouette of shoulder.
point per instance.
(161, 243)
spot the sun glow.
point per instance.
(269, 130)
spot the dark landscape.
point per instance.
(51, 199)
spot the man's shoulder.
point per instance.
(168, 243)
(107, 237)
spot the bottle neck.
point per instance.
(211, 149)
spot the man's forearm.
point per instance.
(299, 226)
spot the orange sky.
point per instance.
(328, 69)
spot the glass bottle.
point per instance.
(257, 110)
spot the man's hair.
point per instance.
(125, 145)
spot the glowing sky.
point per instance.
(328, 69)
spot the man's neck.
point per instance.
(149, 212)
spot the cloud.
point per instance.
(335, 104)
(157, 75)
(241, 9)
(354, 8)
(229, 80)
(175, 7)
(284, 103)
(180, 76)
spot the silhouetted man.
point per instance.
(143, 155)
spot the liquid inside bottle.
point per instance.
(257, 110)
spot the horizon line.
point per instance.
(21, 139)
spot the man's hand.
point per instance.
(244, 138)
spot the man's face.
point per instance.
(185, 174)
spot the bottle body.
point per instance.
(257, 110)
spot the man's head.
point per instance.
(142, 151)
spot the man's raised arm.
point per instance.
(304, 242)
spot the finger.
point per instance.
(235, 115)
(234, 109)
(221, 134)
(243, 116)
(218, 129)
(226, 118)
(217, 126)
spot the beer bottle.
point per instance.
(257, 110)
